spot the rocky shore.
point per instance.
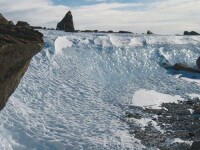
(176, 126)
(17, 47)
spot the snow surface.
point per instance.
(153, 99)
(78, 87)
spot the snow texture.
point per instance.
(77, 88)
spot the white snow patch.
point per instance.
(136, 42)
(153, 99)
(143, 122)
(192, 96)
(169, 142)
(191, 111)
(61, 43)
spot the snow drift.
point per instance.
(77, 88)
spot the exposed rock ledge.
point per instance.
(17, 47)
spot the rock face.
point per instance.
(3, 21)
(149, 32)
(17, 47)
(66, 23)
(22, 24)
(190, 33)
(198, 63)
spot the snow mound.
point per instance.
(61, 43)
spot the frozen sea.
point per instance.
(76, 90)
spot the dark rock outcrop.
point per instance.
(17, 47)
(3, 21)
(149, 32)
(173, 121)
(195, 145)
(22, 24)
(198, 63)
(66, 23)
(190, 33)
(181, 67)
(110, 31)
(125, 32)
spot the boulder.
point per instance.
(17, 47)
(22, 24)
(198, 63)
(66, 23)
(195, 145)
(190, 33)
(149, 32)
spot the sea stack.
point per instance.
(198, 63)
(17, 47)
(66, 23)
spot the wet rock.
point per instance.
(66, 23)
(195, 145)
(198, 63)
(22, 24)
(17, 47)
(190, 33)
(149, 32)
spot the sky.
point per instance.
(138, 16)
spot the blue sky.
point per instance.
(138, 16)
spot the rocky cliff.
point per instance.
(17, 47)
(66, 23)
